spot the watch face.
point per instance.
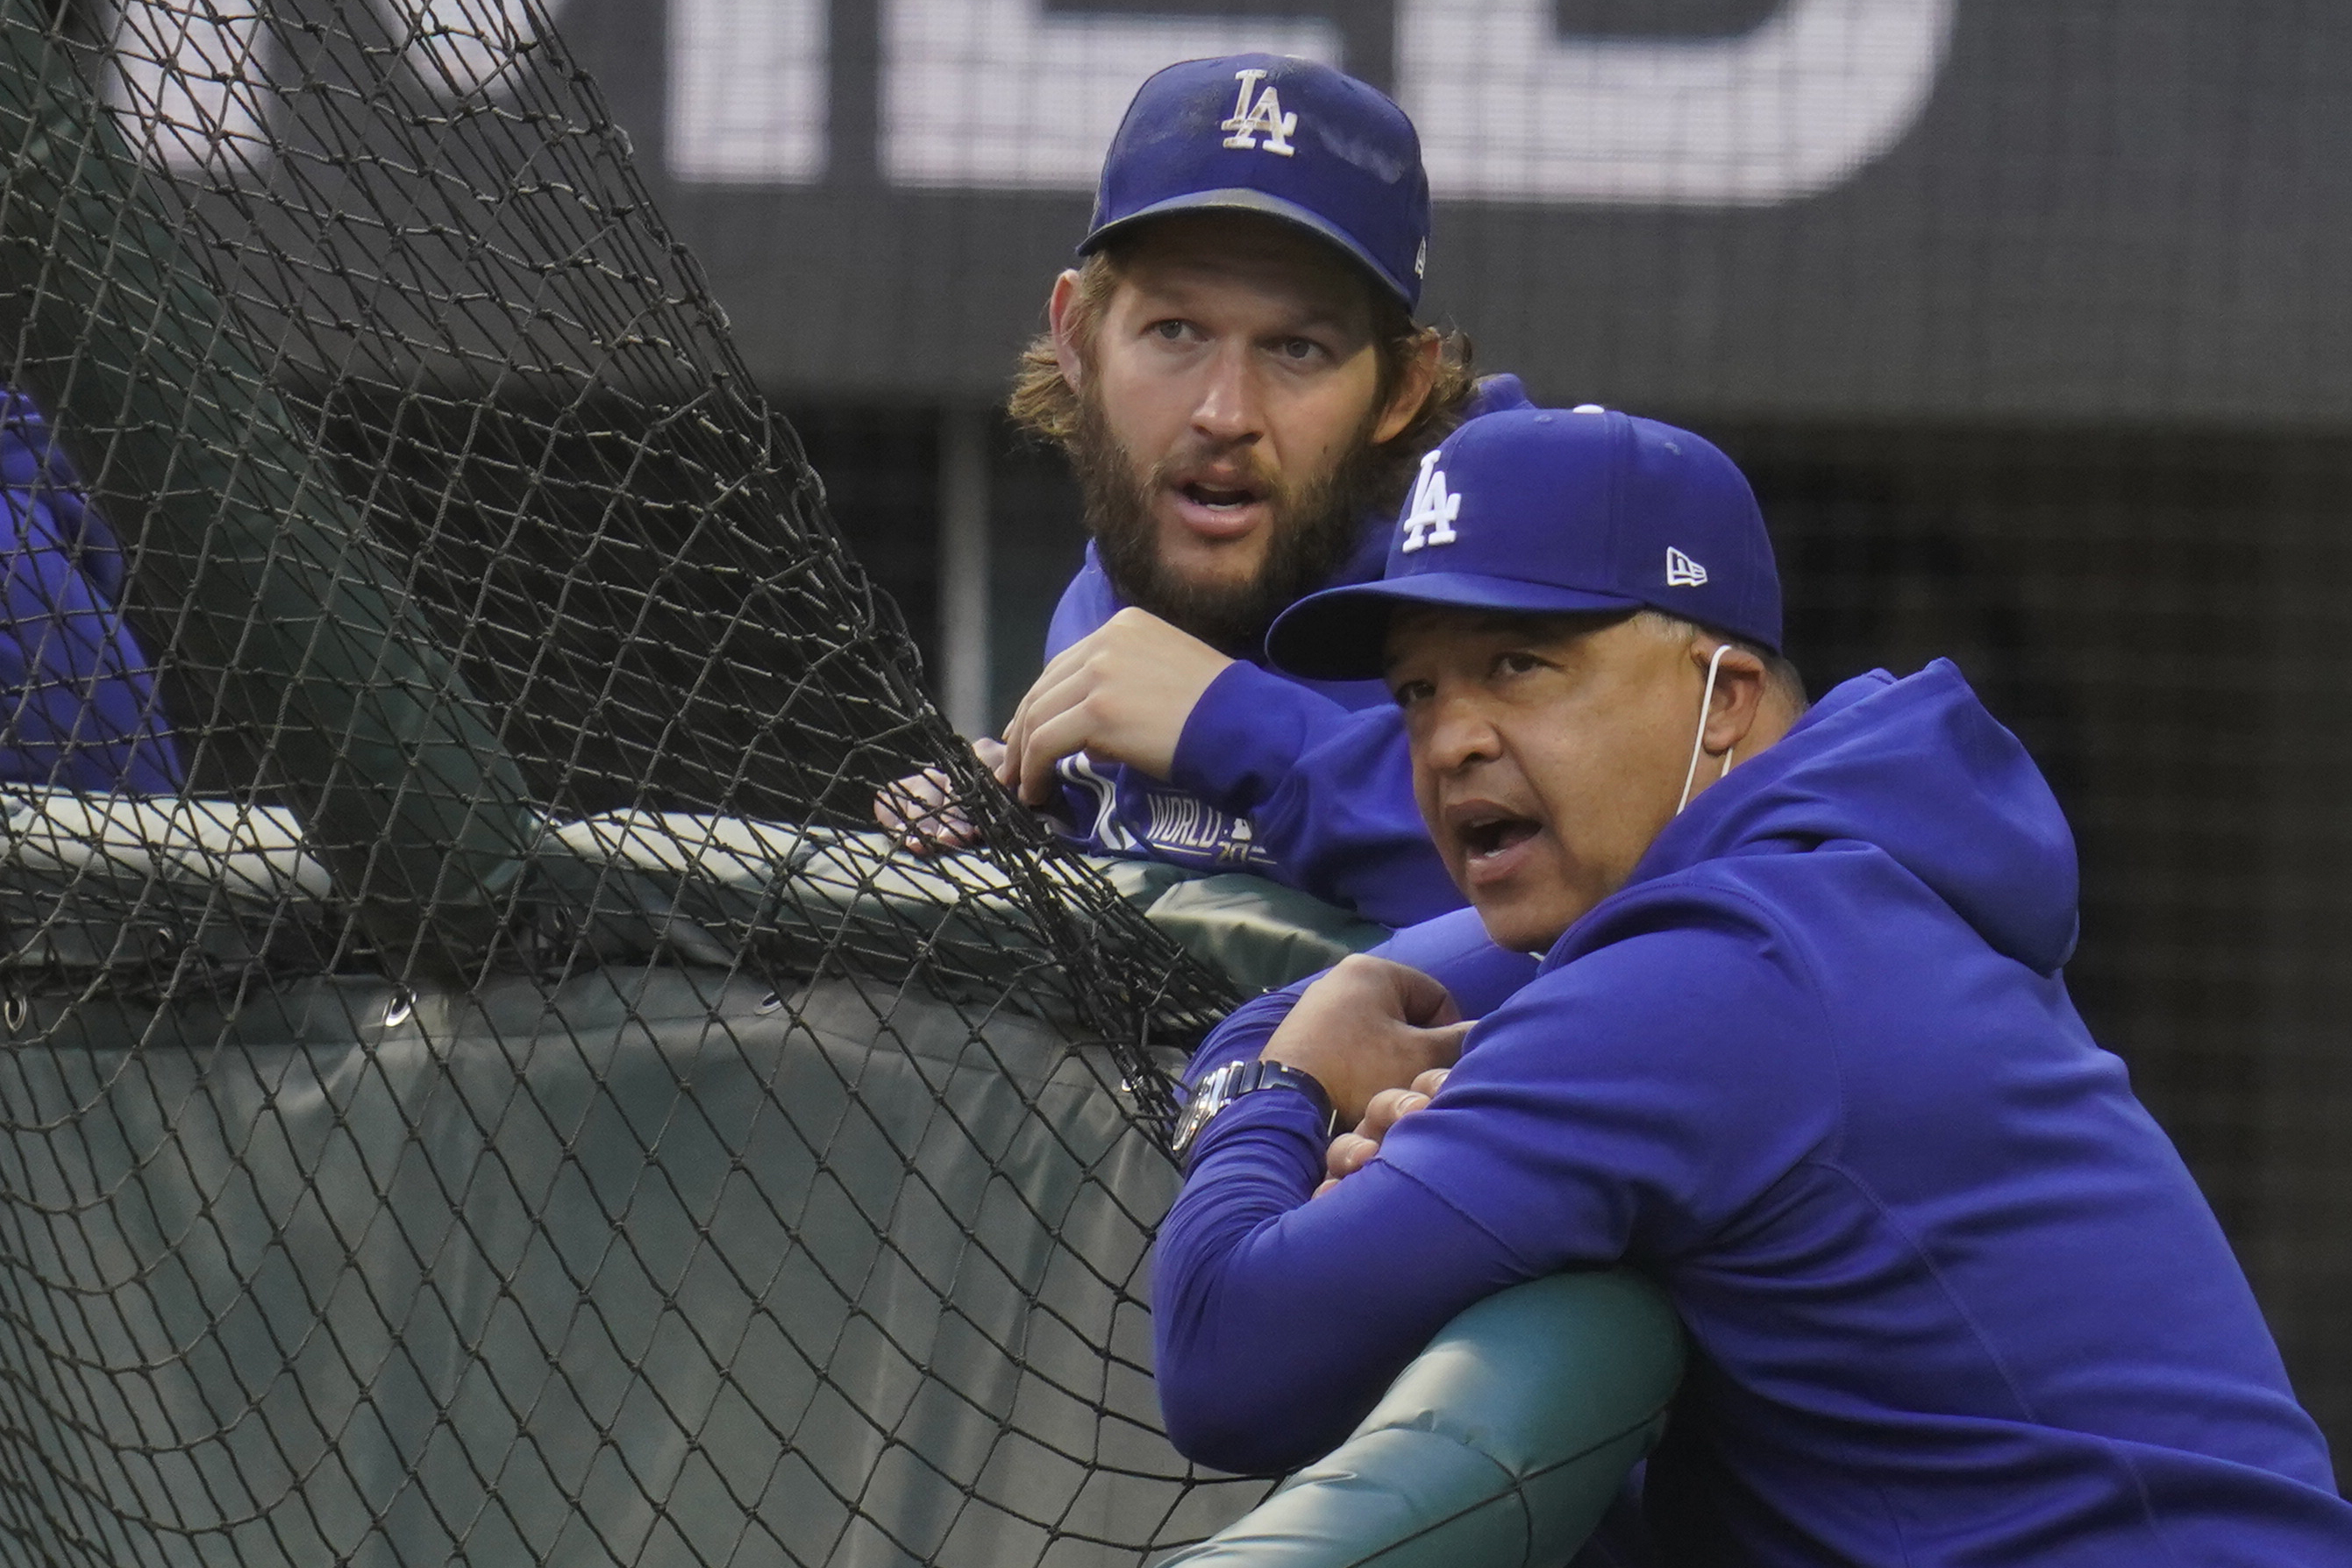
(1208, 1099)
(1188, 1126)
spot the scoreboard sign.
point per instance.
(1950, 209)
(1006, 95)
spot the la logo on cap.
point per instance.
(1264, 118)
(1682, 572)
(1435, 508)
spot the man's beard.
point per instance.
(1312, 529)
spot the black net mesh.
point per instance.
(476, 1090)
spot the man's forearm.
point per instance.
(1278, 1324)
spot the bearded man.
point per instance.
(1236, 374)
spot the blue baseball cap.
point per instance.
(1555, 511)
(1274, 134)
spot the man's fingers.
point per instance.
(901, 803)
(1059, 666)
(1064, 734)
(919, 809)
(1347, 1153)
(1351, 1031)
(1016, 736)
(1042, 733)
(949, 829)
(1032, 707)
(1006, 765)
(1403, 992)
(1426, 1002)
(1384, 1109)
(1430, 1082)
(1351, 1152)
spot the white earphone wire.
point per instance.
(1698, 742)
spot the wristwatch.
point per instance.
(1226, 1084)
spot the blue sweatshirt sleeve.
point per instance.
(1328, 791)
(1633, 1101)
(85, 710)
(1454, 950)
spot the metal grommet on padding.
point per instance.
(15, 1009)
(769, 1002)
(400, 1009)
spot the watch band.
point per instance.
(1226, 1084)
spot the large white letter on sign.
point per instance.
(1430, 520)
(463, 48)
(747, 91)
(193, 81)
(997, 93)
(1509, 111)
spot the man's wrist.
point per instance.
(1225, 1085)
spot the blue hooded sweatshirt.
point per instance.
(82, 711)
(1303, 782)
(1951, 1295)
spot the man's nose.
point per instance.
(1230, 408)
(1457, 732)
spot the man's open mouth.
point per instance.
(1218, 497)
(1484, 837)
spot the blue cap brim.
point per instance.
(1242, 198)
(1341, 634)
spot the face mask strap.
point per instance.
(1698, 742)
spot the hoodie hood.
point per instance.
(1919, 769)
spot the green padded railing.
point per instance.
(1500, 1446)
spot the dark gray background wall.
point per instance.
(2105, 208)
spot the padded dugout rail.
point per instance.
(479, 1275)
(532, 1244)
(1501, 1446)
(385, 1276)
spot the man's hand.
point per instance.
(920, 811)
(1350, 1151)
(1369, 1025)
(1121, 694)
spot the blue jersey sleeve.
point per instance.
(1327, 791)
(1454, 950)
(1630, 1102)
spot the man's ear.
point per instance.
(1411, 389)
(1740, 681)
(1066, 353)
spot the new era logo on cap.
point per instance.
(1682, 572)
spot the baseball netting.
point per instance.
(497, 1105)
